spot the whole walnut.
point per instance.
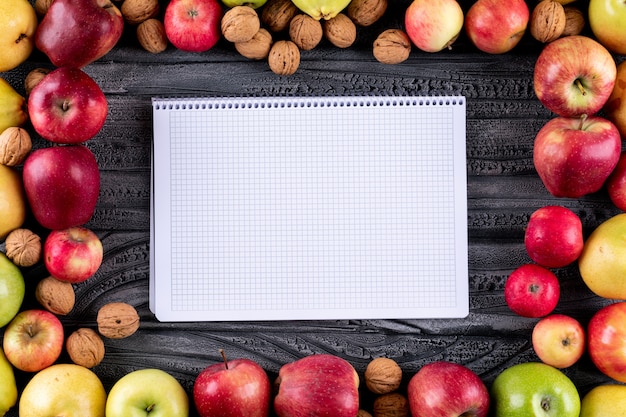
(340, 31)
(277, 14)
(85, 347)
(240, 24)
(366, 12)
(305, 31)
(391, 405)
(258, 47)
(383, 375)
(392, 46)
(547, 21)
(284, 57)
(15, 145)
(117, 320)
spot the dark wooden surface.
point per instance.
(503, 116)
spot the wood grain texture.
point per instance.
(503, 116)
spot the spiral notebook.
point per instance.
(310, 208)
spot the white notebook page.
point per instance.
(309, 208)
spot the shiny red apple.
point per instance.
(193, 25)
(62, 185)
(532, 291)
(616, 184)
(73, 254)
(606, 340)
(75, 33)
(496, 26)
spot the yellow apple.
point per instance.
(604, 401)
(66, 390)
(615, 106)
(8, 389)
(607, 19)
(18, 21)
(12, 106)
(602, 263)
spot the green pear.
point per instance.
(321, 9)
(12, 107)
(8, 389)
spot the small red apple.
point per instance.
(559, 340)
(72, 255)
(33, 340)
(235, 388)
(606, 340)
(495, 26)
(616, 184)
(554, 236)
(447, 389)
(67, 106)
(532, 291)
(575, 156)
(317, 385)
(193, 25)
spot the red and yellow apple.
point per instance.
(433, 25)
(559, 340)
(72, 255)
(606, 340)
(607, 19)
(615, 107)
(496, 26)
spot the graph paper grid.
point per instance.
(319, 208)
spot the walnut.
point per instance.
(284, 57)
(366, 12)
(42, 6)
(15, 145)
(547, 21)
(23, 247)
(151, 36)
(363, 413)
(305, 31)
(391, 405)
(117, 320)
(277, 14)
(340, 31)
(240, 24)
(574, 21)
(392, 46)
(33, 78)
(137, 11)
(55, 296)
(383, 375)
(85, 347)
(258, 47)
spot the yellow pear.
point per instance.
(18, 21)
(12, 106)
(8, 388)
(604, 401)
(602, 263)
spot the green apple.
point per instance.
(255, 4)
(607, 19)
(66, 390)
(604, 401)
(147, 392)
(19, 22)
(12, 290)
(12, 106)
(534, 389)
(8, 388)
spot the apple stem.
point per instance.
(581, 87)
(30, 330)
(224, 358)
(150, 408)
(583, 118)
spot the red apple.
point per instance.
(62, 185)
(193, 25)
(239, 387)
(72, 255)
(33, 340)
(574, 76)
(317, 385)
(532, 291)
(559, 340)
(67, 106)
(447, 389)
(495, 26)
(616, 184)
(606, 340)
(554, 236)
(433, 25)
(575, 156)
(75, 33)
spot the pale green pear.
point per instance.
(321, 9)
(8, 389)
(12, 106)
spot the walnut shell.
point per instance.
(42, 6)
(391, 405)
(340, 31)
(574, 21)
(547, 21)
(392, 46)
(305, 31)
(240, 24)
(117, 320)
(33, 78)
(363, 413)
(284, 57)
(366, 12)
(23, 247)
(56, 296)
(383, 375)
(15, 145)
(151, 36)
(277, 14)
(258, 47)
(85, 347)
(137, 11)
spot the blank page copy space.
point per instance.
(333, 208)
